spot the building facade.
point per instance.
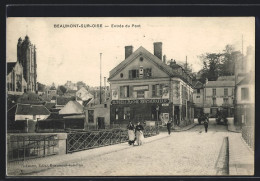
(15, 80)
(198, 98)
(245, 99)
(145, 88)
(219, 96)
(26, 56)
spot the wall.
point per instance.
(135, 64)
(251, 94)
(30, 117)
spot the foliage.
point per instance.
(62, 89)
(218, 64)
(41, 87)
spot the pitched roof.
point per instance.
(226, 78)
(63, 100)
(197, 84)
(49, 105)
(27, 109)
(10, 66)
(220, 84)
(135, 54)
(72, 107)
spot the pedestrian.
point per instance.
(206, 124)
(139, 133)
(131, 133)
(169, 126)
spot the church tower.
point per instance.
(26, 55)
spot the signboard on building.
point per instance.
(114, 94)
(141, 101)
(144, 87)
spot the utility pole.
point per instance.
(100, 91)
(105, 89)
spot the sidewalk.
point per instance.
(40, 164)
(233, 128)
(241, 157)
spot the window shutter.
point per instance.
(153, 91)
(121, 92)
(130, 91)
(130, 74)
(145, 73)
(161, 89)
(137, 73)
(127, 91)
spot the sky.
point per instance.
(73, 53)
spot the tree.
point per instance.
(62, 89)
(41, 87)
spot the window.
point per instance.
(121, 75)
(198, 96)
(157, 90)
(140, 94)
(133, 74)
(147, 73)
(214, 101)
(124, 91)
(225, 100)
(116, 114)
(91, 116)
(34, 117)
(225, 92)
(244, 93)
(127, 113)
(213, 92)
(198, 91)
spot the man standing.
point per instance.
(206, 124)
(169, 125)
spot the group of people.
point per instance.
(135, 133)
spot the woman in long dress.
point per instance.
(139, 133)
(131, 133)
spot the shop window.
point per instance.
(116, 114)
(225, 92)
(91, 116)
(244, 93)
(127, 113)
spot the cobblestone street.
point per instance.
(191, 152)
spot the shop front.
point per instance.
(123, 111)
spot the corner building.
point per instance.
(144, 88)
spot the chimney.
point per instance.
(157, 47)
(164, 59)
(128, 51)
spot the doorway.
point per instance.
(101, 123)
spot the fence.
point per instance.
(78, 141)
(248, 135)
(22, 147)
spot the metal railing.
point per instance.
(248, 135)
(22, 147)
(84, 140)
